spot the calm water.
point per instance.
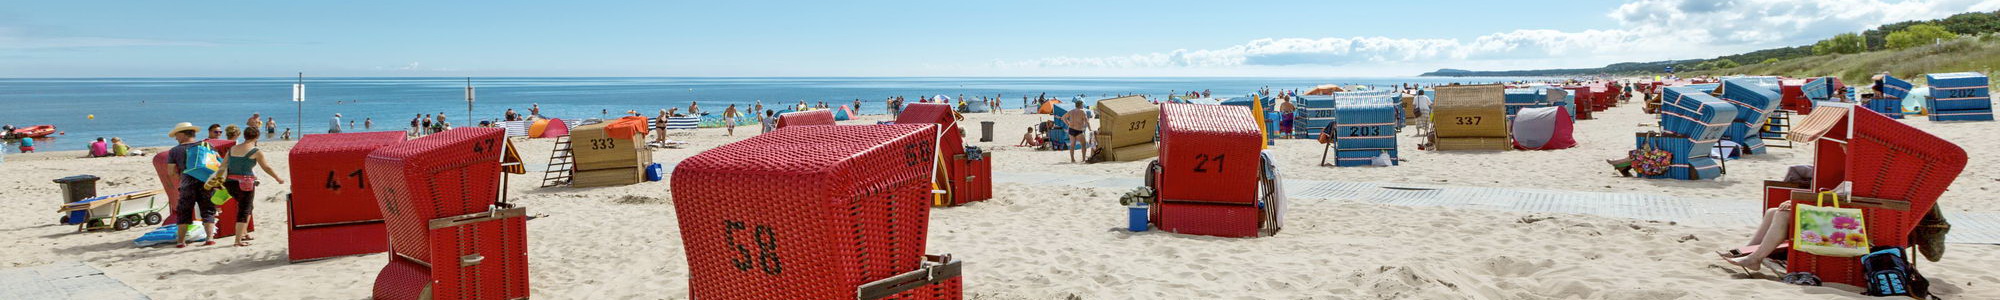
(142, 109)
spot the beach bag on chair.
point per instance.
(1829, 230)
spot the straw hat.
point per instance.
(183, 126)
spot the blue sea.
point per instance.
(141, 110)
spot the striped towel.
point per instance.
(687, 123)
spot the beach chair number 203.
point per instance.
(1364, 131)
(766, 240)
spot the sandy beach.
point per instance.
(1059, 242)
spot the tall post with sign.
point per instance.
(299, 99)
(468, 102)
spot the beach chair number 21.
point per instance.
(1201, 163)
(766, 239)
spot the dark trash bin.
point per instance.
(79, 187)
(985, 131)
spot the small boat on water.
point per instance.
(36, 131)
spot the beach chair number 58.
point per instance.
(1201, 163)
(766, 239)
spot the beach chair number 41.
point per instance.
(333, 179)
(1201, 163)
(766, 239)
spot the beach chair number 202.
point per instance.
(766, 239)
(1467, 120)
(1960, 93)
(1201, 163)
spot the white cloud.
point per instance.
(11, 38)
(1648, 30)
(414, 66)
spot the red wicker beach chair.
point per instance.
(450, 234)
(965, 178)
(806, 118)
(226, 212)
(1210, 159)
(333, 208)
(1891, 162)
(817, 212)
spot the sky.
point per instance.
(903, 38)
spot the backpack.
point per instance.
(202, 161)
(1887, 272)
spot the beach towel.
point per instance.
(626, 127)
(683, 123)
(165, 235)
(1829, 230)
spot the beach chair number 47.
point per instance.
(766, 239)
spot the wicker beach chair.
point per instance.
(1471, 117)
(1126, 128)
(1897, 173)
(451, 232)
(337, 213)
(1210, 173)
(813, 212)
(1365, 128)
(806, 118)
(963, 176)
